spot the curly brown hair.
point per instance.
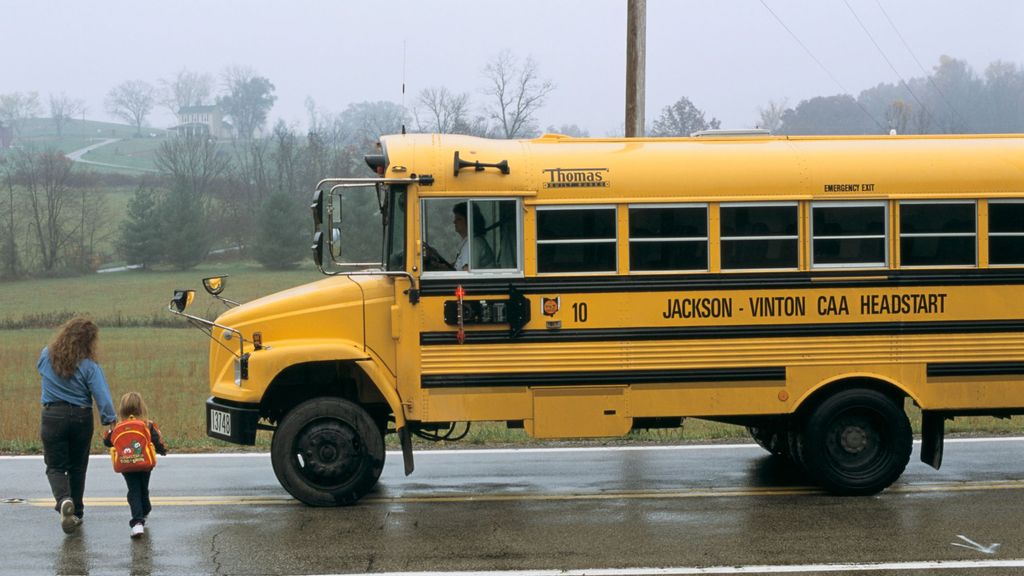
(75, 342)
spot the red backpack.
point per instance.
(133, 449)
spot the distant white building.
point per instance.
(207, 121)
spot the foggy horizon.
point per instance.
(730, 59)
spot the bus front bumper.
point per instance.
(231, 421)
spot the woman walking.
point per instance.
(71, 381)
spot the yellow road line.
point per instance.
(229, 500)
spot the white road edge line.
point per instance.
(751, 569)
(474, 451)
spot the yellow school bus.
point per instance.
(809, 288)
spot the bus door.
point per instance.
(472, 270)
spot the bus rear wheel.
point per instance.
(327, 452)
(856, 442)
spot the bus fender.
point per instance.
(373, 372)
(273, 360)
(932, 435)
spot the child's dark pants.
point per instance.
(138, 496)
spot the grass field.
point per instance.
(131, 152)
(168, 365)
(134, 298)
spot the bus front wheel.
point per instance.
(856, 442)
(327, 452)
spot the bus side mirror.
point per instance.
(335, 243)
(182, 299)
(318, 249)
(334, 216)
(214, 285)
(318, 209)
(336, 208)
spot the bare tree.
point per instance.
(248, 100)
(568, 130)
(443, 111)
(193, 163)
(44, 178)
(363, 123)
(898, 116)
(516, 91)
(682, 119)
(9, 260)
(771, 115)
(63, 110)
(17, 107)
(196, 168)
(92, 228)
(186, 89)
(131, 101)
(314, 115)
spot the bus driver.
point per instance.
(483, 256)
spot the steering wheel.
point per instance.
(432, 259)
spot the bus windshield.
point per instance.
(394, 229)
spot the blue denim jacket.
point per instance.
(85, 384)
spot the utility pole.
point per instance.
(636, 63)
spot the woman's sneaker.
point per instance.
(138, 530)
(68, 520)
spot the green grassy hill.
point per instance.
(132, 154)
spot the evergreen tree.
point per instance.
(282, 234)
(184, 232)
(682, 119)
(140, 240)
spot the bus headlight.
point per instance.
(241, 369)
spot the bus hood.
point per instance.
(327, 309)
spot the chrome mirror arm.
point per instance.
(209, 324)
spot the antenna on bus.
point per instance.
(403, 86)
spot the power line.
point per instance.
(886, 58)
(919, 65)
(822, 66)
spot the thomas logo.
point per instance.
(576, 178)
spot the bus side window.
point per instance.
(496, 228)
(576, 239)
(759, 236)
(1005, 232)
(938, 233)
(668, 237)
(850, 234)
(466, 235)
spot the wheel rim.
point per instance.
(856, 443)
(328, 453)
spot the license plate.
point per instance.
(220, 422)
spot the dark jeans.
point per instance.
(67, 433)
(138, 496)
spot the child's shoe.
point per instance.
(68, 520)
(138, 530)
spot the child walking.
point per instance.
(132, 442)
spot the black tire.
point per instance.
(856, 442)
(327, 452)
(774, 440)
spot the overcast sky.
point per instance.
(730, 57)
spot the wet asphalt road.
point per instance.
(677, 508)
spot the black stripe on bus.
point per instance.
(713, 332)
(592, 378)
(975, 369)
(741, 281)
